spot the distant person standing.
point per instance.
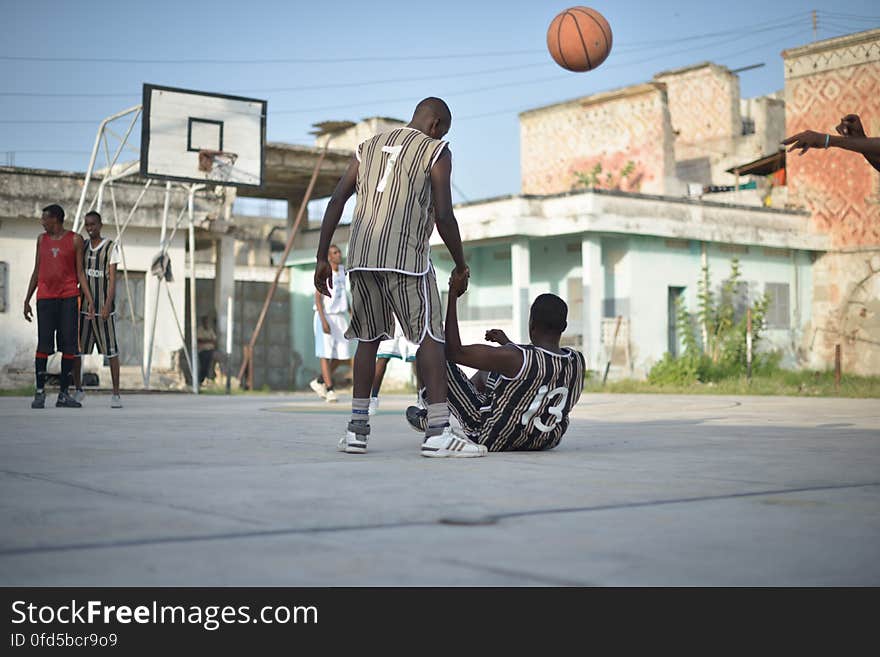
(100, 258)
(397, 347)
(58, 268)
(331, 323)
(206, 342)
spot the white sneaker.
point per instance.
(330, 396)
(452, 443)
(79, 395)
(115, 401)
(319, 388)
(354, 443)
(374, 405)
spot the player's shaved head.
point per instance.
(432, 107)
(432, 116)
(549, 314)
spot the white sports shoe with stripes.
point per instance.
(452, 443)
(354, 442)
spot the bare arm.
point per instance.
(319, 304)
(505, 360)
(867, 146)
(32, 286)
(851, 126)
(344, 189)
(447, 226)
(111, 293)
(81, 275)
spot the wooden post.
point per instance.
(282, 263)
(749, 344)
(613, 345)
(837, 367)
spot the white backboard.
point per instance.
(179, 123)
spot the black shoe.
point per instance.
(417, 418)
(66, 401)
(39, 400)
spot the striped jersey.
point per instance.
(96, 266)
(530, 410)
(393, 217)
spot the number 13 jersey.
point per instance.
(530, 411)
(393, 217)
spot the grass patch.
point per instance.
(23, 391)
(802, 383)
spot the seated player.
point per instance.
(522, 394)
(397, 347)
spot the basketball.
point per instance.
(579, 39)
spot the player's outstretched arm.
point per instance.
(444, 217)
(344, 189)
(505, 360)
(867, 146)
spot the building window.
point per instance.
(778, 311)
(733, 248)
(738, 297)
(4, 285)
(748, 126)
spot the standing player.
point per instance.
(398, 176)
(100, 259)
(522, 394)
(58, 267)
(331, 323)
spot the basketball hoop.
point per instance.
(218, 163)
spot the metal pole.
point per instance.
(704, 265)
(85, 190)
(159, 279)
(837, 367)
(248, 355)
(193, 338)
(749, 344)
(613, 345)
(228, 342)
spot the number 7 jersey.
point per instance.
(393, 220)
(530, 411)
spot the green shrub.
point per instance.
(674, 371)
(714, 338)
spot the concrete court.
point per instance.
(645, 490)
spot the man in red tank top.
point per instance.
(57, 278)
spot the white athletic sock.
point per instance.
(438, 418)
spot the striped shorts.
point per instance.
(100, 333)
(377, 297)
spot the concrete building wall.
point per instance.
(349, 138)
(823, 82)
(609, 129)
(846, 311)
(704, 109)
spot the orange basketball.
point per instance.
(579, 39)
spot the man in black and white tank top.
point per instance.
(522, 394)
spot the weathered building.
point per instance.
(823, 82)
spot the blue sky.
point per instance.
(350, 60)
